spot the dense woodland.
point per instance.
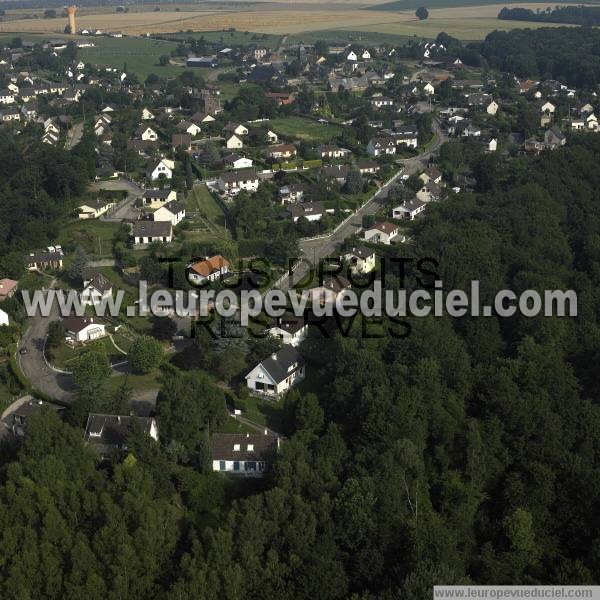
(467, 452)
(577, 15)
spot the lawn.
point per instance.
(94, 236)
(139, 383)
(140, 55)
(265, 412)
(65, 356)
(304, 129)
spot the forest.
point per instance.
(576, 15)
(568, 54)
(467, 452)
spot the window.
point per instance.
(222, 465)
(236, 465)
(250, 447)
(236, 447)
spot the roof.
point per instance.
(243, 446)
(157, 193)
(305, 209)
(7, 286)
(360, 252)
(282, 363)
(385, 227)
(75, 324)
(100, 283)
(241, 175)
(174, 207)
(109, 432)
(432, 172)
(44, 256)
(290, 322)
(412, 204)
(152, 228)
(210, 265)
(281, 148)
(181, 139)
(336, 284)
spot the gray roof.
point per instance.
(157, 193)
(174, 207)
(262, 447)
(108, 433)
(152, 229)
(100, 283)
(281, 364)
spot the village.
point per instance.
(249, 152)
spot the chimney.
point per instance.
(274, 356)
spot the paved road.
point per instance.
(314, 250)
(74, 136)
(125, 210)
(56, 385)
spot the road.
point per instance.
(315, 250)
(125, 210)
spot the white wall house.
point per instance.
(83, 329)
(96, 290)
(247, 455)
(291, 330)
(173, 211)
(233, 142)
(163, 167)
(381, 233)
(148, 232)
(4, 320)
(235, 181)
(209, 269)
(275, 375)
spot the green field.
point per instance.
(94, 236)
(304, 129)
(140, 55)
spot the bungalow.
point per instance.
(172, 211)
(361, 259)
(235, 129)
(8, 288)
(290, 329)
(189, 127)
(108, 434)
(281, 151)
(96, 289)
(146, 133)
(330, 151)
(409, 209)
(382, 232)
(312, 211)
(94, 208)
(164, 167)
(52, 258)
(247, 454)
(233, 142)
(148, 232)
(82, 329)
(337, 172)
(368, 167)
(275, 375)
(381, 146)
(330, 289)
(154, 197)
(237, 161)
(208, 269)
(234, 181)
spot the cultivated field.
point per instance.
(466, 22)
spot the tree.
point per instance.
(422, 13)
(354, 182)
(163, 328)
(145, 355)
(56, 335)
(163, 60)
(79, 264)
(89, 377)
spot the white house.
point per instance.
(381, 233)
(275, 375)
(271, 137)
(409, 209)
(83, 329)
(548, 108)
(492, 108)
(244, 454)
(234, 181)
(3, 318)
(236, 161)
(290, 329)
(94, 209)
(147, 133)
(96, 289)
(162, 167)
(492, 145)
(157, 198)
(233, 142)
(361, 259)
(351, 56)
(381, 146)
(148, 232)
(173, 211)
(236, 129)
(208, 269)
(189, 127)
(429, 89)
(147, 115)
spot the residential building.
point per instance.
(4, 320)
(245, 454)
(361, 259)
(83, 329)
(235, 181)
(208, 269)
(409, 209)
(276, 374)
(237, 161)
(290, 329)
(173, 212)
(8, 288)
(94, 208)
(157, 198)
(96, 290)
(381, 146)
(312, 211)
(382, 232)
(51, 258)
(233, 142)
(148, 232)
(163, 167)
(281, 151)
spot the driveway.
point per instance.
(125, 210)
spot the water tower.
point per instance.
(71, 10)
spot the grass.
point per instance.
(265, 412)
(304, 129)
(65, 356)
(95, 237)
(234, 426)
(139, 383)
(139, 54)
(232, 38)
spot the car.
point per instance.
(23, 351)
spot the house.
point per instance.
(208, 269)
(337, 172)
(368, 167)
(312, 211)
(7, 97)
(271, 137)
(158, 197)
(290, 329)
(189, 127)
(247, 454)
(291, 193)
(281, 98)
(237, 161)
(533, 145)
(146, 133)
(381, 146)
(147, 115)
(94, 208)
(107, 434)
(409, 209)
(96, 289)
(329, 290)
(361, 259)
(4, 320)
(52, 258)
(432, 173)
(548, 108)
(492, 108)
(181, 140)
(163, 167)
(382, 232)
(235, 129)
(148, 232)
(201, 117)
(492, 145)
(429, 192)
(382, 102)
(330, 151)
(281, 151)
(83, 329)
(234, 181)
(206, 62)
(429, 89)
(172, 211)
(8, 288)
(275, 375)
(233, 142)
(554, 137)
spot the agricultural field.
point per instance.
(304, 129)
